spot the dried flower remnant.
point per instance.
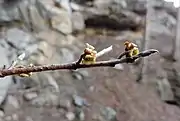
(132, 48)
(89, 54)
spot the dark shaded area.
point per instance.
(113, 24)
(10, 3)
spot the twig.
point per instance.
(80, 59)
(73, 65)
(123, 54)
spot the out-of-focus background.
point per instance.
(55, 31)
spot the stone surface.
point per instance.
(48, 94)
(119, 67)
(65, 4)
(11, 105)
(79, 101)
(18, 38)
(64, 103)
(62, 22)
(165, 90)
(115, 5)
(1, 114)
(38, 23)
(5, 82)
(109, 113)
(8, 14)
(70, 116)
(66, 55)
(23, 10)
(30, 95)
(162, 21)
(52, 83)
(15, 117)
(80, 74)
(78, 21)
(45, 100)
(80, 114)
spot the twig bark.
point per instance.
(73, 65)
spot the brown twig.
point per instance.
(123, 54)
(73, 65)
(80, 59)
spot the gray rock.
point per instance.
(92, 88)
(23, 11)
(46, 8)
(66, 55)
(8, 14)
(47, 82)
(48, 94)
(31, 49)
(165, 90)
(79, 101)
(41, 6)
(137, 5)
(80, 114)
(109, 113)
(15, 117)
(77, 76)
(59, 18)
(30, 82)
(62, 22)
(119, 67)
(98, 117)
(6, 81)
(38, 23)
(65, 104)
(8, 118)
(70, 116)
(43, 80)
(1, 114)
(45, 99)
(110, 4)
(162, 21)
(169, 7)
(65, 4)
(11, 104)
(78, 21)
(66, 91)
(80, 74)
(83, 72)
(29, 95)
(28, 118)
(38, 102)
(4, 44)
(18, 38)
(52, 82)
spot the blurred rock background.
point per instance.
(55, 31)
